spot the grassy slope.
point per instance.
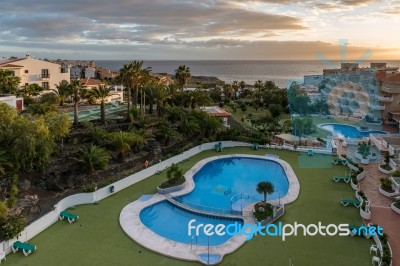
(97, 239)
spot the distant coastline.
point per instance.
(279, 71)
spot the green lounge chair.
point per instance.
(218, 147)
(345, 179)
(255, 146)
(339, 161)
(355, 203)
(70, 216)
(310, 153)
(25, 247)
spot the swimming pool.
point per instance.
(160, 223)
(348, 131)
(218, 181)
(175, 227)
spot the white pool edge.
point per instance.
(132, 225)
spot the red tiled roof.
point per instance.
(390, 78)
(91, 82)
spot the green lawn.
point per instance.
(97, 239)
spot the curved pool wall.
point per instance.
(221, 179)
(154, 217)
(133, 226)
(348, 131)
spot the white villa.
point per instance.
(32, 70)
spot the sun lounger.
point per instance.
(345, 179)
(255, 146)
(26, 248)
(310, 153)
(339, 161)
(70, 216)
(355, 203)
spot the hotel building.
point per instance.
(35, 71)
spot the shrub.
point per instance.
(386, 184)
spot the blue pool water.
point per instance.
(219, 180)
(348, 131)
(171, 222)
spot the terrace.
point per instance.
(98, 239)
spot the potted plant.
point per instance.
(386, 187)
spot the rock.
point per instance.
(25, 184)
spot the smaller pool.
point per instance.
(348, 131)
(171, 222)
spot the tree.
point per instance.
(8, 81)
(100, 94)
(4, 160)
(265, 188)
(235, 87)
(258, 85)
(275, 110)
(134, 76)
(30, 90)
(62, 90)
(59, 125)
(93, 157)
(182, 75)
(28, 142)
(122, 142)
(76, 91)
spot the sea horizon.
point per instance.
(282, 72)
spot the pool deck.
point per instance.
(132, 225)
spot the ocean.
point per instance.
(281, 72)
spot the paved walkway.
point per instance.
(390, 222)
(370, 186)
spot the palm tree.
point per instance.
(265, 188)
(101, 94)
(258, 85)
(182, 75)
(8, 81)
(62, 90)
(161, 95)
(122, 142)
(93, 157)
(125, 76)
(76, 91)
(228, 91)
(235, 87)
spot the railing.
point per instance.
(241, 195)
(280, 211)
(45, 76)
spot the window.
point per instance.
(45, 73)
(26, 71)
(64, 69)
(45, 85)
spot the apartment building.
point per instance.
(35, 71)
(371, 93)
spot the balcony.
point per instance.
(390, 90)
(385, 99)
(377, 107)
(45, 76)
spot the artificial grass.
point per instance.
(97, 239)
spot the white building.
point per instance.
(13, 101)
(31, 71)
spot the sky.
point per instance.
(201, 29)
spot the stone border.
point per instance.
(170, 189)
(136, 230)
